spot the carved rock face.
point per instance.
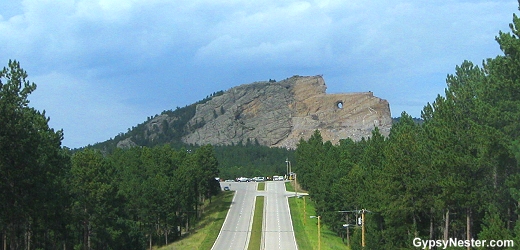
(280, 113)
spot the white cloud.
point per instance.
(101, 54)
(294, 33)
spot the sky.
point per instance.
(103, 66)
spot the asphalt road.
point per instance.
(277, 225)
(278, 228)
(236, 229)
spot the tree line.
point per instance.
(251, 159)
(53, 198)
(455, 175)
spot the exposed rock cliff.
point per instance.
(280, 113)
(275, 114)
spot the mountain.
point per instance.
(275, 114)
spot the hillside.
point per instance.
(276, 114)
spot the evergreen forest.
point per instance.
(454, 175)
(251, 159)
(52, 198)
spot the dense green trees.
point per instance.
(455, 175)
(94, 203)
(31, 162)
(250, 159)
(405, 182)
(158, 192)
(52, 198)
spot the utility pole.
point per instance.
(363, 227)
(295, 185)
(360, 222)
(304, 212)
(288, 165)
(319, 229)
(319, 233)
(290, 170)
(348, 233)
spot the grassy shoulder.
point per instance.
(306, 229)
(255, 241)
(289, 187)
(207, 229)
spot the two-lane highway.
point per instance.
(278, 228)
(236, 229)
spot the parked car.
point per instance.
(277, 178)
(258, 179)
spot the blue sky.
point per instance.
(103, 66)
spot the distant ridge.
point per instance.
(275, 114)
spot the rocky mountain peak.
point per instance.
(278, 114)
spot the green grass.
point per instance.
(255, 240)
(207, 229)
(306, 229)
(289, 187)
(261, 186)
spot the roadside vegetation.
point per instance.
(255, 241)
(289, 187)
(306, 229)
(206, 231)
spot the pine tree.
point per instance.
(493, 227)
(407, 183)
(32, 165)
